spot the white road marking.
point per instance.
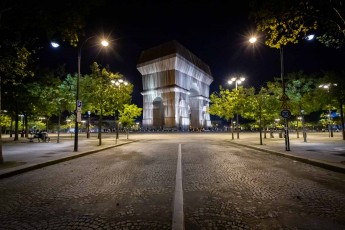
(178, 218)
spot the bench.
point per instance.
(39, 136)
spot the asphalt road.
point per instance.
(135, 186)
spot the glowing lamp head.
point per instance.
(310, 37)
(54, 44)
(252, 40)
(105, 43)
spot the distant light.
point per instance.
(310, 37)
(54, 44)
(252, 40)
(105, 43)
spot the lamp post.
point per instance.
(118, 84)
(22, 121)
(284, 99)
(303, 126)
(237, 80)
(78, 103)
(88, 125)
(327, 87)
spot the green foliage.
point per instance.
(5, 120)
(291, 20)
(129, 113)
(37, 125)
(262, 106)
(14, 63)
(99, 94)
(222, 104)
(300, 89)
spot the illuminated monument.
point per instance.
(176, 86)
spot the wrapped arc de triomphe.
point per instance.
(176, 87)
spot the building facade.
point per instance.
(176, 87)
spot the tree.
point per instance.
(226, 103)
(128, 115)
(64, 98)
(5, 121)
(262, 107)
(14, 68)
(25, 25)
(101, 96)
(336, 93)
(291, 20)
(53, 97)
(300, 90)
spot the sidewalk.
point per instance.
(319, 150)
(22, 156)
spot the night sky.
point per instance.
(215, 31)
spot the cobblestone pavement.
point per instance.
(132, 187)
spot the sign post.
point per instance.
(79, 106)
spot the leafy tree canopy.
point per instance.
(287, 21)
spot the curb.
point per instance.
(320, 164)
(52, 162)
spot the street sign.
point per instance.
(284, 97)
(78, 116)
(79, 105)
(285, 113)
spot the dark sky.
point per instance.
(215, 31)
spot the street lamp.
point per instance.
(327, 87)
(237, 80)
(284, 97)
(22, 121)
(118, 84)
(78, 103)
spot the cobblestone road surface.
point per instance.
(132, 187)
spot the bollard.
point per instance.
(281, 135)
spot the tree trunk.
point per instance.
(11, 129)
(232, 129)
(100, 128)
(26, 126)
(59, 124)
(342, 119)
(16, 120)
(260, 127)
